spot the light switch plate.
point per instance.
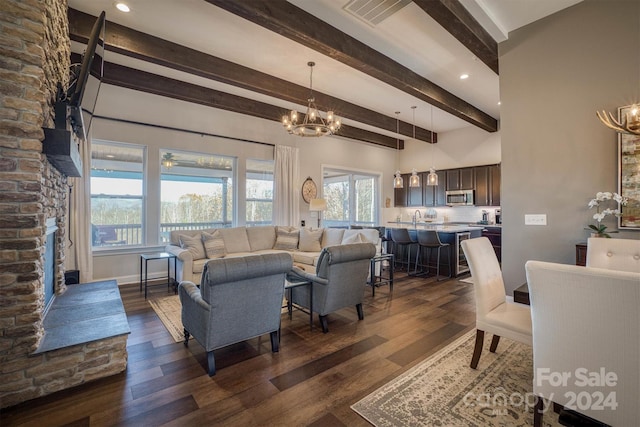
(535, 219)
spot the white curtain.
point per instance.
(286, 198)
(79, 250)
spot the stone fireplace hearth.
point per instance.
(35, 58)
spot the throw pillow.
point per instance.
(193, 245)
(310, 240)
(286, 238)
(213, 244)
(235, 239)
(354, 238)
(332, 236)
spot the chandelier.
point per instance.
(630, 123)
(312, 124)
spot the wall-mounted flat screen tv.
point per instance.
(82, 94)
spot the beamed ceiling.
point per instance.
(254, 55)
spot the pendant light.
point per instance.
(414, 180)
(398, 182)
(432, 178)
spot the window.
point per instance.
(196, 191)
(259, 206)
(352, 198)
(117, 197)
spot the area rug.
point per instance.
(444, 391)
(169, 310)
(467, 280)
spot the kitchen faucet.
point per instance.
(416, 214)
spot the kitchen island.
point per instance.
(448, 233)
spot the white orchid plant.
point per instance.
(601, 199)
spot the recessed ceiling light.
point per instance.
(122, 7)
(464, 76)
(499, 103)
(110, 156)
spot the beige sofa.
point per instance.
(193, 248)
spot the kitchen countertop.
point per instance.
(441, 228)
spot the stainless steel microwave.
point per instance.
(459, 198)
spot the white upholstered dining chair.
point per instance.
(586, 341)
(494, 314)
(614, 254)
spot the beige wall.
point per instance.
(469, 146)
(554, 75)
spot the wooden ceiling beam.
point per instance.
(454, 18)
(143, 81)
(296, 24)
(136, 44)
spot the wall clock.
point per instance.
(309, 190)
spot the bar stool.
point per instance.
(430, 240)
(401, 239)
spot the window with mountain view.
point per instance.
(259, 201)
(117, 196)
(352, 198)
(196, 191)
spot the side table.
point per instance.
(376, 280)
(521, 294)
(293, 282)
(581, 254)
(145, 258)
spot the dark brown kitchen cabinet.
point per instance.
(408, 196)
(414, 194)
(494, 179)
(401, 195)
(494, 234)
(460, 179)
(481, 196)
(434, 195)
(487, 185)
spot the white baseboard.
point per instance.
(131, 278)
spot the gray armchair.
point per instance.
(238, 299)
(340, 279)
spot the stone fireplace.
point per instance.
(34, 57)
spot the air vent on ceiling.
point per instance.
(374, 11)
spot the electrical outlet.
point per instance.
(302, 223)
(537, 219)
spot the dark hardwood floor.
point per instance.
(313, 380)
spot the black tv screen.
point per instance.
(83, 90)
